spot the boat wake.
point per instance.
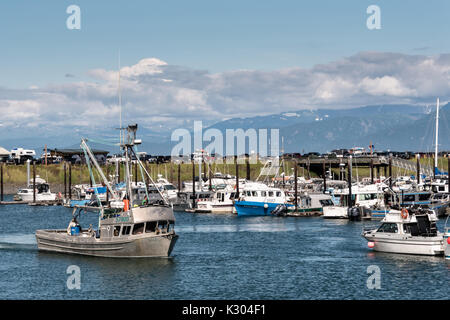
(18, 242)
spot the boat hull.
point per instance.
(446, 246)
(335, 212)
(132, 247)
(28, 197)
(392, 243)
(250, 208)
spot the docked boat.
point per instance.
(370, 197)
(126, 229)
(409, 231)
(310, 203)
(257, 199)
(41, 192)
(222, 201)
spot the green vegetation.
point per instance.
(54, 173)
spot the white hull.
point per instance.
(334, 212)
(446, 246)
(214, 208)
(39, 197)
(407, 244)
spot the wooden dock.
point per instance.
(31, 203)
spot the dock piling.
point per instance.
(34, 181)
(418, 167)
(349, 175)
(1, 182)
(295, 187)
(237, 175)
(324, 172)
(70, 180)
(193, 183)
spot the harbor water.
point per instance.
(218, 257)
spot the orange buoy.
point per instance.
(126, 204)
(371, 244)
(404, 213)
(448, 240)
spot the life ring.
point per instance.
(404, 213)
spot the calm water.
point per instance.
(218, 257)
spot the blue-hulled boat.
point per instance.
(257, 199)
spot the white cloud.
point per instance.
(155, 93)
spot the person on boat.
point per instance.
(72, 223)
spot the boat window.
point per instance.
(126, 230)
(162, 225)
(255, 193)
(116, 231)
(263, 194)
(138, 228)
(424, 197)
(411, 228)
(368, 196)
(248, 194)
(388, 227)
(409, 198)
(150, 226)
(326, 202)
(278, 193)
(270, 193)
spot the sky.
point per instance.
(212, 60)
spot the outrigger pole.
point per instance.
(86, 148)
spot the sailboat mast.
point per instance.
(120, 107)
(437, 136)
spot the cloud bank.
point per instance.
(161, 96)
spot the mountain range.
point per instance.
(387, 127)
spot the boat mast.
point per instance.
(437, 135)
(120, 108)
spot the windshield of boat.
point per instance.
(388, 227)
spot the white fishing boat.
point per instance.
(407, 232)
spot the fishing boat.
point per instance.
(127, 228)
(409, 231)
(258, 199)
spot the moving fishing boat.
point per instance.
(127, 228)
(409, 231)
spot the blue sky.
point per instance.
(216, 36)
